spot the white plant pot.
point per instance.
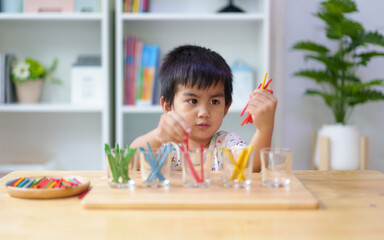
(344, 146)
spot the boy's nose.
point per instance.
(203, 112)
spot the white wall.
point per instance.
(303, 115)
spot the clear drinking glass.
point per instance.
(121, 168)
(237, 167)
(155, 167)
(276, 166)
(196, 165)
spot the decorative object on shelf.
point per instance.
(35, 6)
(342, 88)
(87, 6)
(28, 77)
(11, 6)
(7, 87)
(242, 83)
(86, 81)
(135, 6)
(140, 72)
(231, 8)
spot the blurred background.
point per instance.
(105, 50)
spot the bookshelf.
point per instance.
(170, 23)
(54, 133)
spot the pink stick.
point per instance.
(202, 162)
(190, 165)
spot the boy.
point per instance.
(196, 93)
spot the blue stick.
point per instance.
(157, 170)
(151, 163)
(25, 181)
(157, 162)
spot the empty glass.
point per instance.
(276, 166)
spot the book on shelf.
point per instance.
(135, 6)
(140, 72)
(7, 87)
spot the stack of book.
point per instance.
(135, 6)
(140, 72)
(7, 87)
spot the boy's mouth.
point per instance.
(203, 125)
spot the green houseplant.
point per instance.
(29, 76)
(340, 86)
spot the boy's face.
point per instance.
(203, 109)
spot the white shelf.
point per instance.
(139, 109)
(73, 137)
(52, 16)
(193, 16)
(54, 108)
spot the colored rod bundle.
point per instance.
(248, 118)
(44, 183)
(190, 164)
(157, 164)
(240, 165)
(119, 162)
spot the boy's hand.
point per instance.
(262, 107)
(172, 128)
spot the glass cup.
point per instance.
(196, 165)
(155, 167)
(237, 167)
(276, 166)
(121, 167)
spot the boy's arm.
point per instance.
(150, 137)
(171, 128)
(262, 107)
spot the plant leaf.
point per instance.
(351, 28)
(310, 46)
(328, 98)
(331, 62)
(366, 95)
(374, 38)
(340, 6)
(366, 57)
(318, 76)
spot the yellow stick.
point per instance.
(265, 78)
(239, 163)
(20, 180)
(237, 167)
(246, 157)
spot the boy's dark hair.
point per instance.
(194, 65)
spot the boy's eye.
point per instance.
(192, 101)
(215, 101)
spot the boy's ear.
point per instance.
(227, 108)
(165, 106)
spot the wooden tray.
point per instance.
(296, 196)
(36, 193)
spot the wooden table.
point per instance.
(351, 207)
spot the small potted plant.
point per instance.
(29, 76)
(341, 87)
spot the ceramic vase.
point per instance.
(29, 91)
(344, 146)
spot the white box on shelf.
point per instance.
(86, 85)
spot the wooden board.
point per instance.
(296, 196)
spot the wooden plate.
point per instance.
(36, 193)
